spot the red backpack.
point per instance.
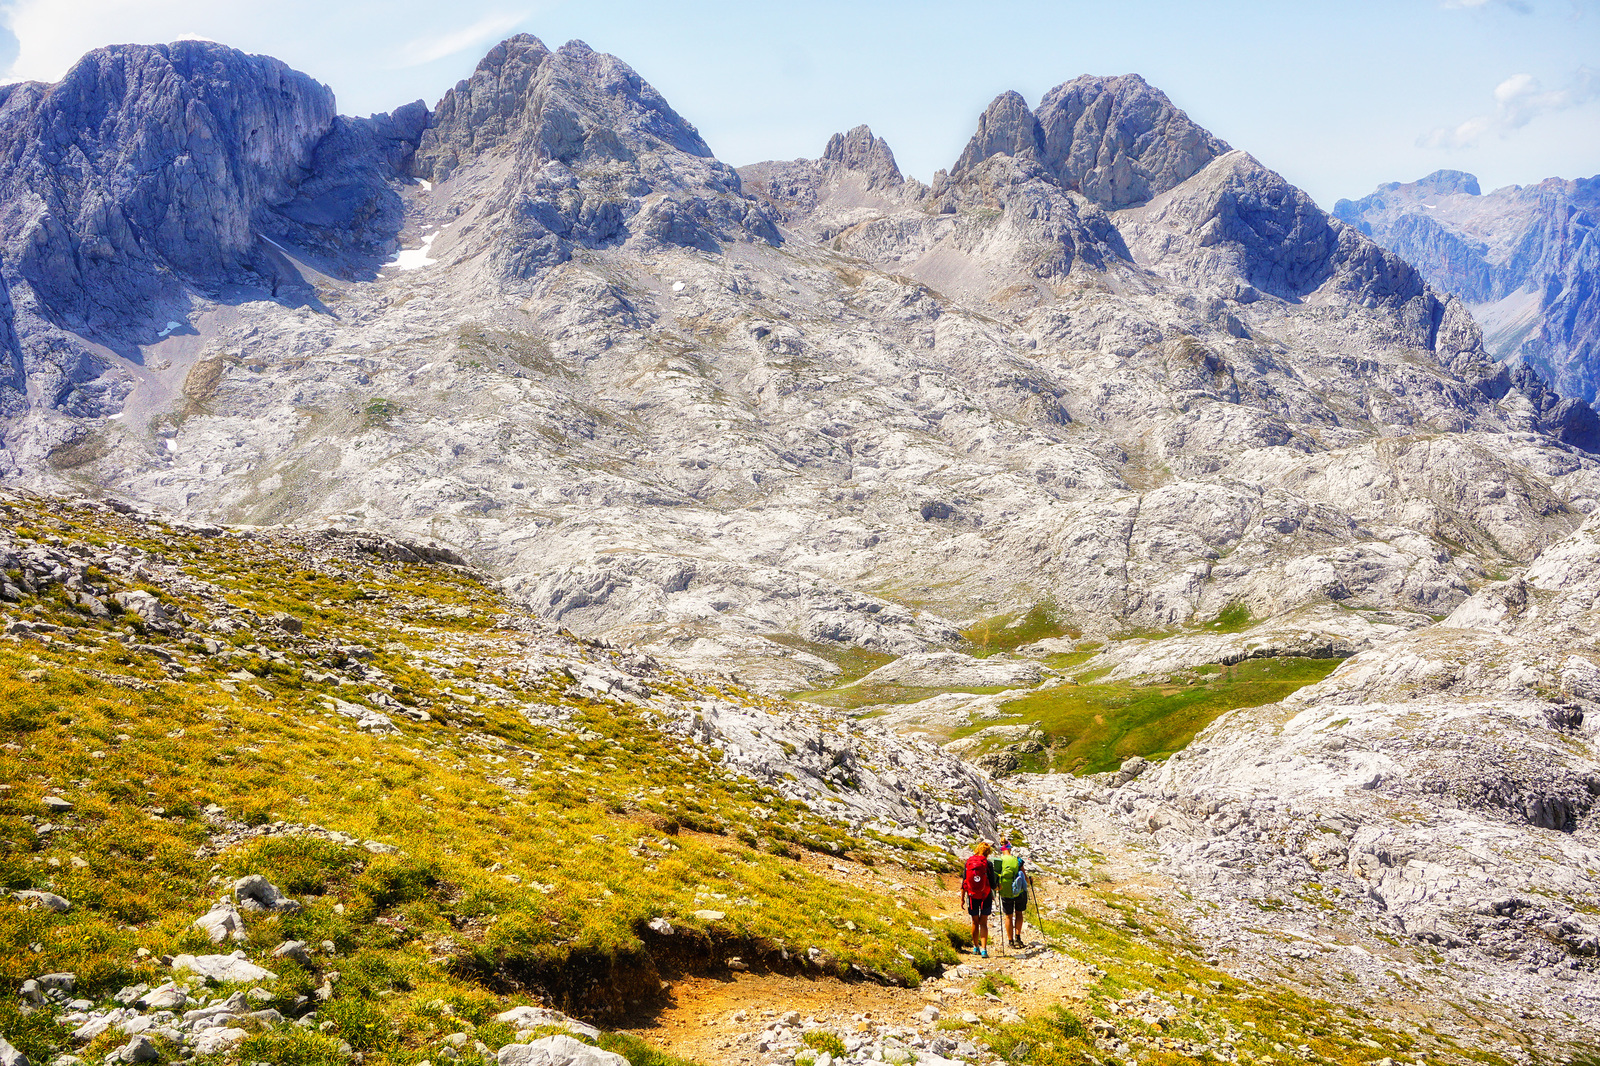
(976, 882)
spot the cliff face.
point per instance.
(571, 150)
(1523, 257)
(146, 167)
(150, 176)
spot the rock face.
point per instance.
(1442, 784)
(575, 151)
(153, 174)
(1106, 361)
(1117, 141)
(146, 166)
(1524, 257)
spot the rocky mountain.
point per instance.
(1105, 362)
(1523, 257)
(802, 418)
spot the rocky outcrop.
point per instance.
(1524, 257)
(1117, 141)
(147, 167)
(573, 150)
(1443, 781)
(865, 154)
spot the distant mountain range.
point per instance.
(1526, 259)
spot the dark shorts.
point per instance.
(981, 908)
(1014, 905)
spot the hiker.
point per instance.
(977, 895)
(1013, 894)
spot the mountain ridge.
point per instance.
(1522, 256)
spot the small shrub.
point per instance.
(823, 1040)
(292, 1047)
(360, 1022)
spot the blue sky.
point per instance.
(1337, 96)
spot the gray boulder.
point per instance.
(10, 1056)
(557, 1051)
(536, 1017)
(57, 982)
(256, 893)
(233, 969)
(48, 900)
(216, 1041)
(139, 1048)
(167, 997)
(222, 922)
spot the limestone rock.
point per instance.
(10, 1056)
(557, 1051)
(256, 893)
(948, 669)
(139, 1048)
(166, 997)
(47, 900)
(222, 922)
(235, 968)
(535, 1017)
(216, 1041)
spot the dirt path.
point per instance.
(720, 1019)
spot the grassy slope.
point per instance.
(531, 855)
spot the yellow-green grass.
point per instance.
(1093, 727)
(531, 854)
(1008, 632)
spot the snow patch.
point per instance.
(415, 258)
(170, 326)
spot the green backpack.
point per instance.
(1009, 864)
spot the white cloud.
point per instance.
(1517, 101)
(52, 34)
(428, 48)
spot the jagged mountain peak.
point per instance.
(568, 105)
(1006, 127)
(1446, 182)
(572, 149)
(859, 150)
(1117, 140)
(1120, 141)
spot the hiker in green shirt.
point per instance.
(1013, 893)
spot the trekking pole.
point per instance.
(1033, 890)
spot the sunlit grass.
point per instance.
(1093, 727)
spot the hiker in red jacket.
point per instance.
(977, 895)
